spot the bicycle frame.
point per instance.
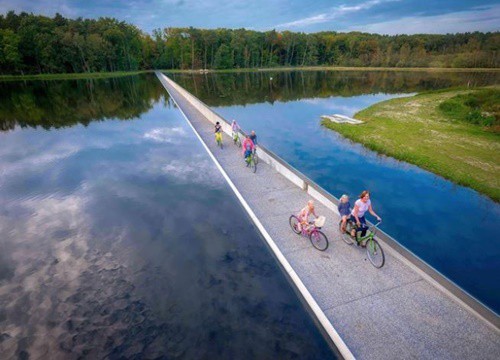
(249, 158)
(370, 235)
(308, 230)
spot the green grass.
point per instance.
(96, 75)
(416, 130)
(481, 107)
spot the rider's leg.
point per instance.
(353, 227)
(344, 222)
(299, 225)
(247, 156)
(363, 228)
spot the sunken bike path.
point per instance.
(388, 313)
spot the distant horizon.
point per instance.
(383, 17)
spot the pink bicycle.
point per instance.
(311, 231)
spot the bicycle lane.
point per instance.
(380, 313)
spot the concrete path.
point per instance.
(388, 313)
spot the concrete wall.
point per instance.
(389, 244)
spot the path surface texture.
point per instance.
(388, 313)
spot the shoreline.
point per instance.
(411, 143)
(96, 75)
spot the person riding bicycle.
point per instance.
(361, 206)
(218, 132)
(235, 127)
(344, 210)
(304, 214)
(248, 146)
(253, 137)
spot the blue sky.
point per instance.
(376, 16)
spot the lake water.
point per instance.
(120, 239)
(452, 228)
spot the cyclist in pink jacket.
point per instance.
(247, 147)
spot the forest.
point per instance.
(35, 44)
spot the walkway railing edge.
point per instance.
(321, 318)
(433, 276)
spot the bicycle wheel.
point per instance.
(345, 235)
(294, 224)
(255, 157)
(375, 253)
(318, 240)
(253, 164)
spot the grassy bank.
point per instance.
(73, 76)
(297, 68)
(419, 131)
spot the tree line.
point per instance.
(35, 44)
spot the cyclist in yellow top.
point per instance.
(218, 133)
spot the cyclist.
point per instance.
(304, 214)
(344, 210)
(218, 132)
(247, 147)
(253, 137)
(236, 129)
(361, 206)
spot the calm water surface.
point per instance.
(453, 228)
(120, 239)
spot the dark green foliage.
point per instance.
(56, 104)
(479, 107)
(34, 44)
(241, 88)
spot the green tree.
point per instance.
(223, 58)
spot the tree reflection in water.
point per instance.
(56, 104)
(226, 89)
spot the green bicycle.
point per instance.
(255, 157)
(236, 139)
(218, 139)
(374, 251)
(250, 160)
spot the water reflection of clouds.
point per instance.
(349, 105)
(199, 171)
(172, 135)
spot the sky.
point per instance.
(374, 16)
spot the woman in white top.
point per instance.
(361, 206)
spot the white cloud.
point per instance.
(166, 135)
(198, 170)
(335, 12)
(484, 18)
(45, 7)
